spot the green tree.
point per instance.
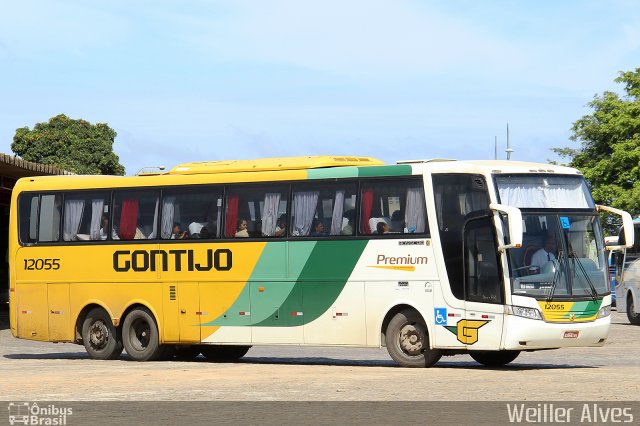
(73, 145)
(609, 155)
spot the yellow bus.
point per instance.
(427, 258)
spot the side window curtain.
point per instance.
(191, 213)
(128, 219)
(338, 213)
(168, 216)
(232, 216)
(270, 213)
(415, 212)
(366, 207)
(304, 211)
(73, 210)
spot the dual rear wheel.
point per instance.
(140, 338)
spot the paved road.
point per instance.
(46, 371)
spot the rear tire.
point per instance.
(633, 317)
(100, 337)
(224, 352)
(494, 358)
(140, 336)
(407, 340)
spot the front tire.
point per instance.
(407, 340)
(634, 318)
(100, 337)
(224, 352)
(494, 358)
(140, 336)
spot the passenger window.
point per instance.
(135, 215)
(191, 214)
(320, 210)
(396, 206)
(255, 211)
(28, 217)
(86, 216)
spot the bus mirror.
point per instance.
(627, 226)
(514, 217)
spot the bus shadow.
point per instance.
(311, 361)
(515, 366)
(50, 355)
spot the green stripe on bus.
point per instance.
(394, 170)
(333, 173)
(320, 282)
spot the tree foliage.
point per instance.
(73, 145)
(609, 155)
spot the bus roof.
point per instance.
(272, 164)
(288, 168)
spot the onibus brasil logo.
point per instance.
(25, 413)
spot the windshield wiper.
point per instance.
(574, 258)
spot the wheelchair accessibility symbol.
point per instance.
(440, 315)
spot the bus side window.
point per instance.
(84, 216)
(28, 218)
(196, 212)
(330, 204)
(260, 206)
(398, 203)
(135, 215)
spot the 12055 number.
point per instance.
(41, 264)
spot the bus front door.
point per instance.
(484, 289)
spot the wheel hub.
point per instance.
(98, 335)
(412, 337)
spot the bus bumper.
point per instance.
(524, 334)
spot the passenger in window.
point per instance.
(281, 227)
(177, 233)
(104, 226)
(317, 228)
(382, 228)
(241, 229)
(347, 229)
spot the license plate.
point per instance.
(571, 334)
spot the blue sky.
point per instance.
(235, 79)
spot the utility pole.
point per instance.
(495, 155)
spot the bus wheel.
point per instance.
(224, 352)
(140, 336)
(494, 358)
(100, 337)
(408, 341)
(633, 317)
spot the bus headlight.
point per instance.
(521, 311)
(605, 311)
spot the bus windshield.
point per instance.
(561, 256)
